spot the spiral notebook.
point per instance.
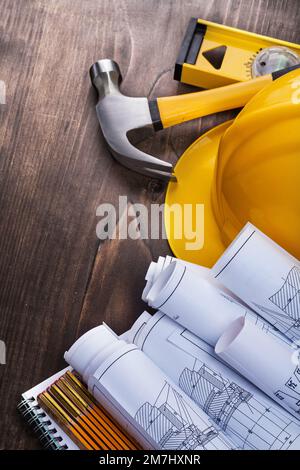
(46, 429)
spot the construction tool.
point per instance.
(212, 55)
(118, 114)
(243, 171)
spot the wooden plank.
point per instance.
(57, 279)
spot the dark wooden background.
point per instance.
(57, 280)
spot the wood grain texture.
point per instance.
(56, 278)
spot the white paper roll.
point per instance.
(265, 276)
(194, 302)
(267, 363)
(142, 398)
(87, 347)
(247, 415)
(155, 270)
(152, 273)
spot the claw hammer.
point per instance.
(118, 114)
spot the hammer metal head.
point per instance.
(118, 114)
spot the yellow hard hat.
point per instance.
(245, 170)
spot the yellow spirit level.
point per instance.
(213, 55)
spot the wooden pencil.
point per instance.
(104, 429)
(63, 419)
(87, 423)
(82, 420)
(98, 411)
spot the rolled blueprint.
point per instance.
(153, 272)
(265, 276)
(251, 419)
(162, 263)
(142, 397)
(86, 349)
(270, 365)
(155, 269)
(194, 302)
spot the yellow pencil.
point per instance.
(72, 406)
(104, 429)
(63, 419)
(80, 418)
(98, 411)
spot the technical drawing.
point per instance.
(248, 417)
(169, 422)
(282, 322)
(287, 298)
(291, 391)
(267, 327)
(249, 422)
(217, 399)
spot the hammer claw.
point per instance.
(118, 115)
(146, 170)
(139, 159)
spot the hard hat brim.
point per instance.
(195, 174)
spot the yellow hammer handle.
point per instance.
(177, 109)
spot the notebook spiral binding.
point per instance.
(41, 425)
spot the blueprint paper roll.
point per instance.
(86, 348)
(267, 363)
(155, 269)
(153, 272)
(265, 276)
(194, 302)
(144, 399)
(131, 335)
(148, 279)
(247, 415)
(201, 270)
